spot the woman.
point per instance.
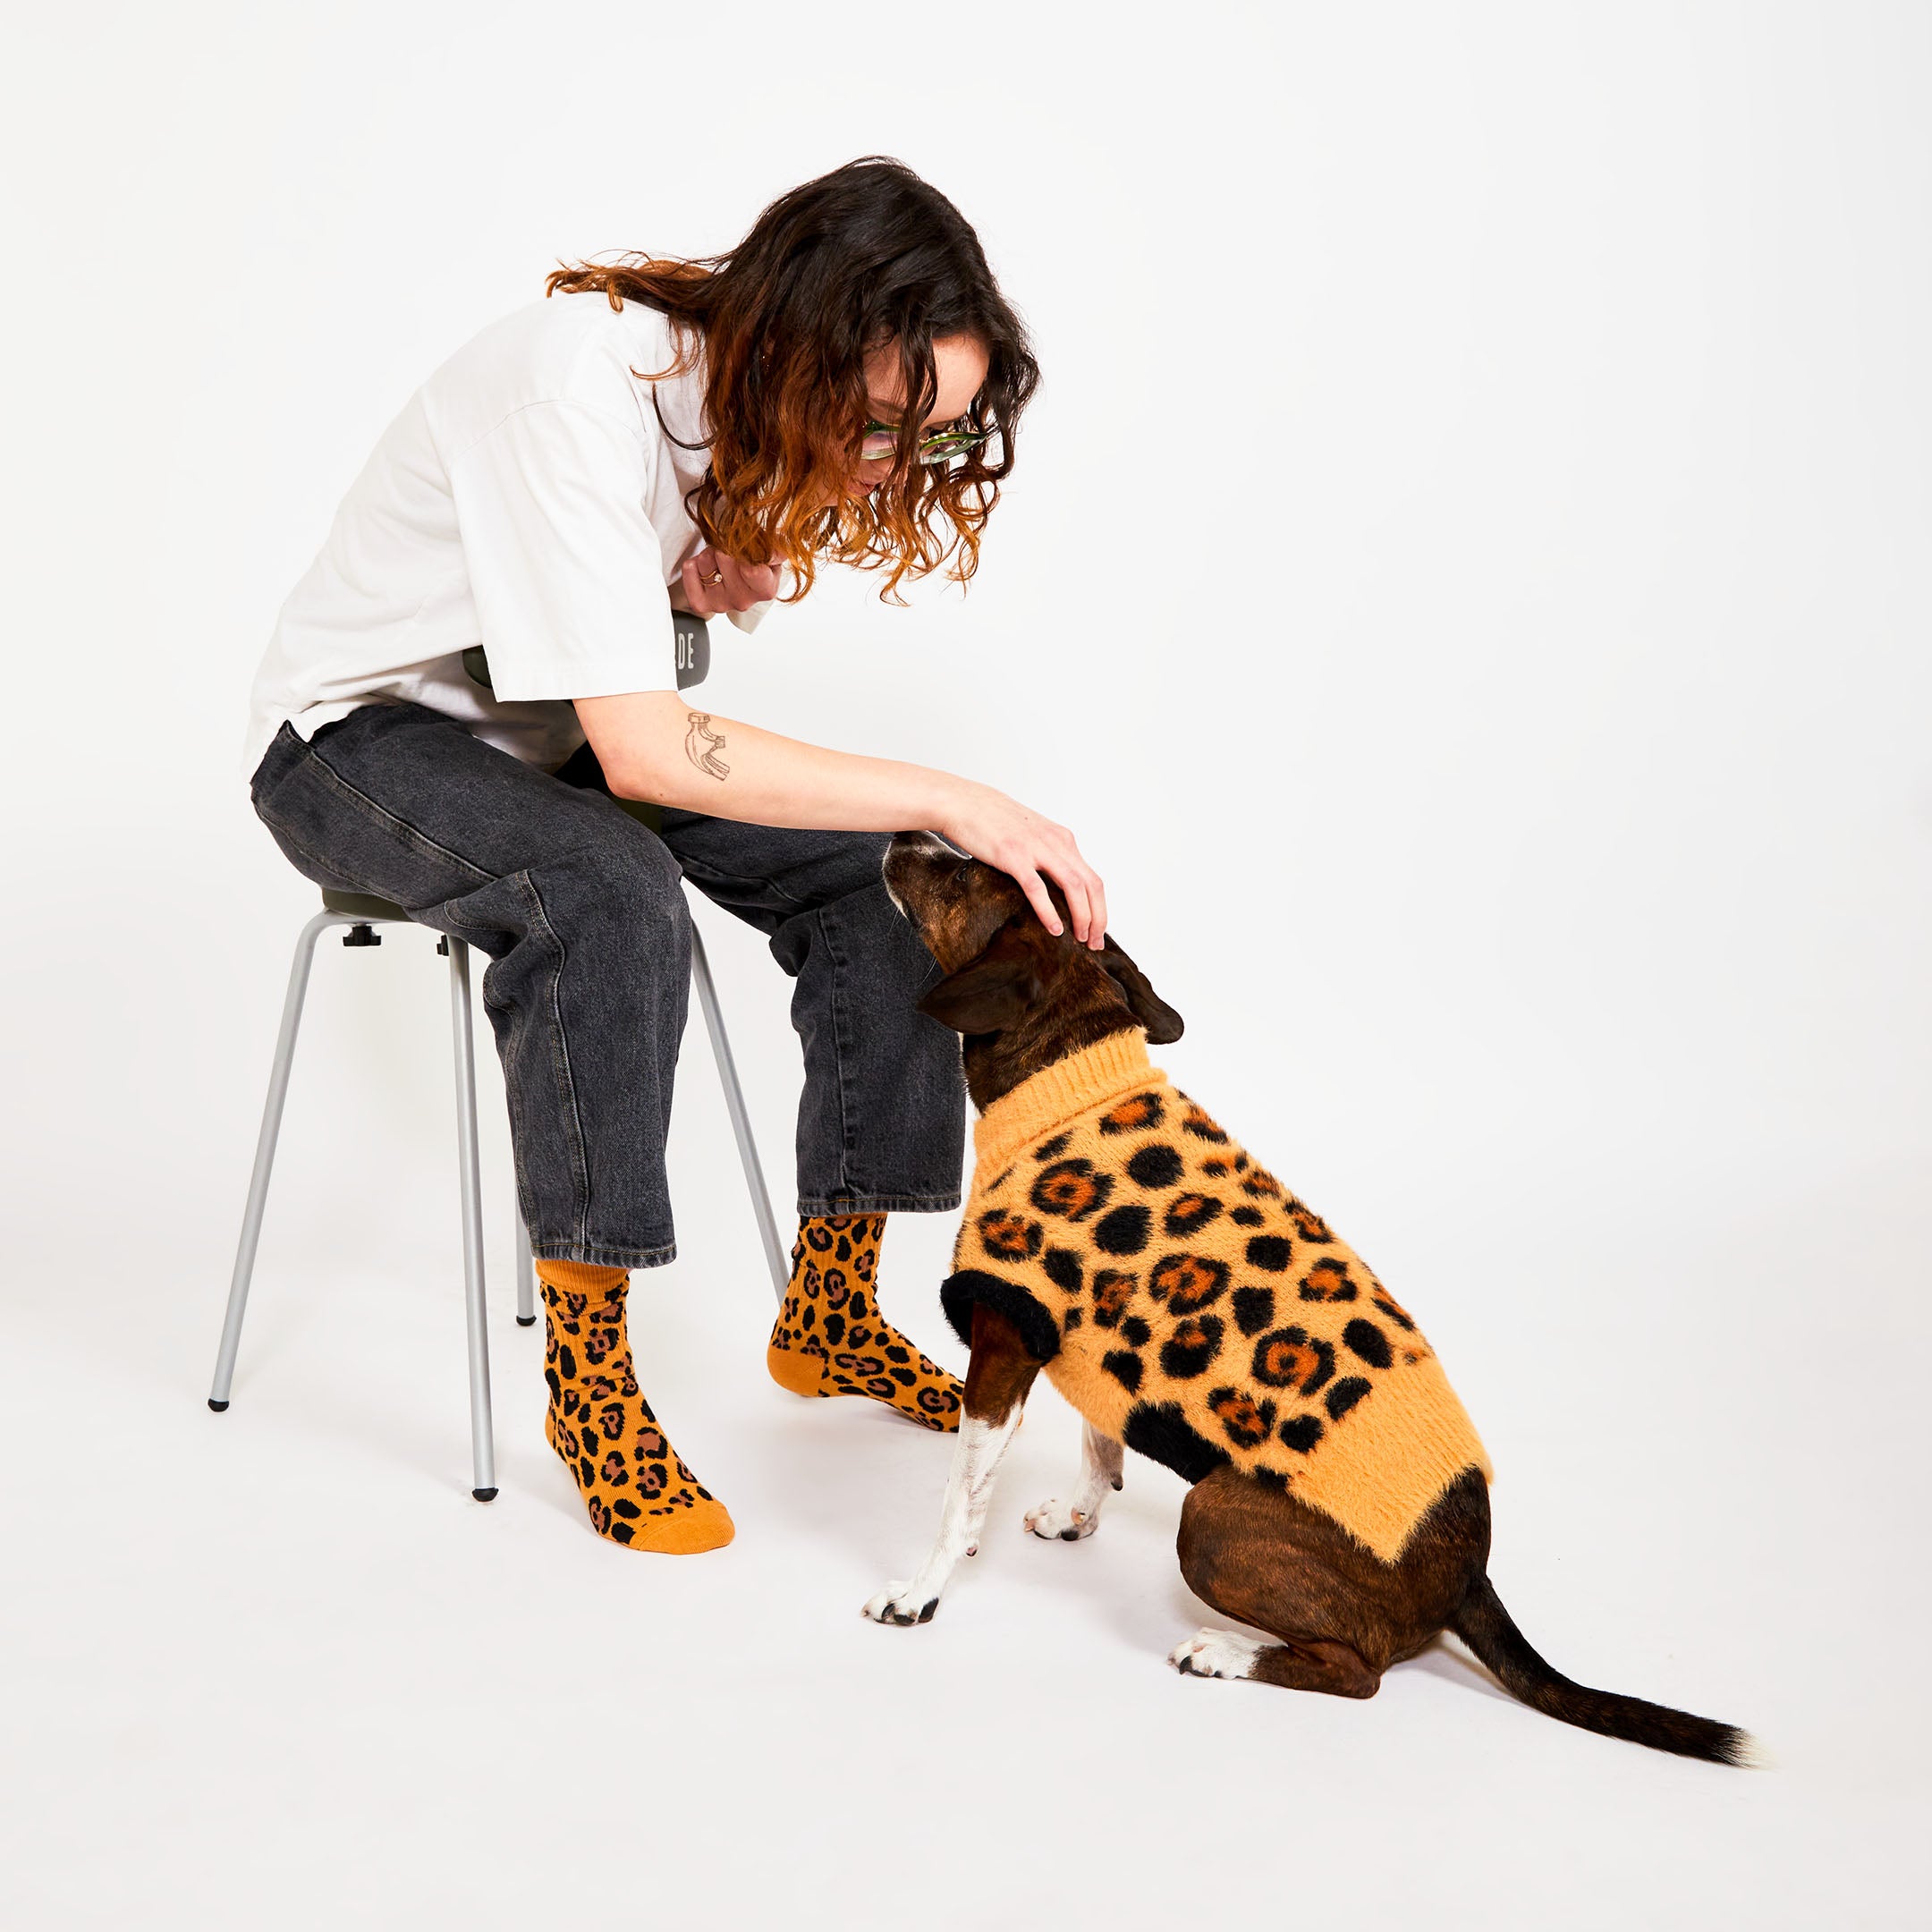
(479, 665)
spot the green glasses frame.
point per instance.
(880, 443)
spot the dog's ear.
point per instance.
(1163, 1025)
(987, 993)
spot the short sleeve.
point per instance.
(565, 567)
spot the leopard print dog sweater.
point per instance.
(1185, 1303)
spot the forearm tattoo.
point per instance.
(702, 744)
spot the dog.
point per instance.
(1192, 1307)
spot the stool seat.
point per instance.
(361, 906)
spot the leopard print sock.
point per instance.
(830, 1339)
(637, 1488)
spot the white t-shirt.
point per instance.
(526, 500)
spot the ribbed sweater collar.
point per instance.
(1057, 1093)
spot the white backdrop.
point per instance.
(1465, 583)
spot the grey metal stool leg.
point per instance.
(265, 1152)
(482, 1446)
(526, 1274)
(734, 1105)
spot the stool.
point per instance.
(361, 913)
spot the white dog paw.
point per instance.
(899, 1602)
(1058, 1520)
(1216, 1653)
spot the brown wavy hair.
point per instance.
(866, 257)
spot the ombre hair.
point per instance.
(867, 257)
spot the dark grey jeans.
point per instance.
(582, 911)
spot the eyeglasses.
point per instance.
(881, 443)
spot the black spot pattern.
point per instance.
(1254, 1309)
(1327, 1281)
(1113, 1289)
(1191, 1347)
(1292, 1358)
(1121, 1231)
(1134, 1116)
(1246, 1422)
(1136, 1331)
(1380, 1295)
(1308, 1225)
(1059, 1144)
(1344, 1395)
(1064, 1270)
(1125, 1367)
(1156, 1166)
(1187, 1282)
(1160, 1430)
(1072, 1189)
(1188, 1213)
(1246, 1217)
(1301, 1432)
(1010, 1236)
(1269, 1251)
(1365, 1340)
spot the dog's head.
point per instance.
(1022, 996)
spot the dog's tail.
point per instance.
(1489, 1631)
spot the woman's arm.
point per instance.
(656, 746)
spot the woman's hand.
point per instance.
(1023, 844)
(742, 586)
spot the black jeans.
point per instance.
(582, 913)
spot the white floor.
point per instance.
(276, 1668)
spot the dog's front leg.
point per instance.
(997, 1380)
(1101, 1457)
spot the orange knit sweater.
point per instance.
(1186, 1304)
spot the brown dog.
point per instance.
(1263, 1542)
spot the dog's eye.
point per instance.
(962, 871)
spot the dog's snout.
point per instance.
(911, 857)
(911, 846)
